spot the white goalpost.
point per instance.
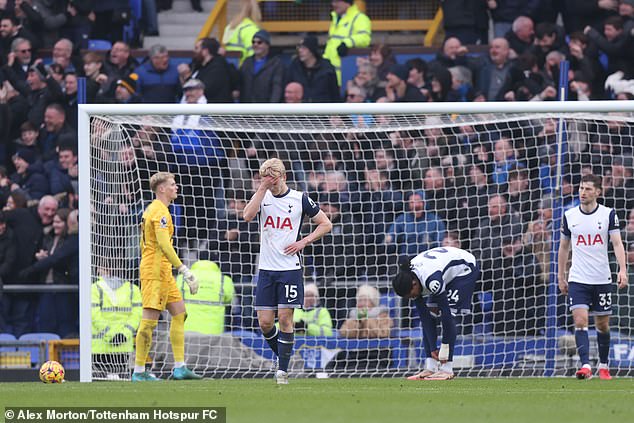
(395, 179)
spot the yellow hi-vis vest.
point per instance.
(115, 313)
(354, 29)
(240, 38)
(206, 309)
(318, 321)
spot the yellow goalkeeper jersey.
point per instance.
(157, 253)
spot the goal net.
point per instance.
(395, 180)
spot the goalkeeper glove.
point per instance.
(190, 279)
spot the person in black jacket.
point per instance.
(29, 175)
(58, 263)
(466, 20)
(213, 70)
(262, 75)
(8, 254)
(316, 75)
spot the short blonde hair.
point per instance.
(159, 178)
(369, 292)
(272, 167)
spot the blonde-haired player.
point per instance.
(158, 287)
(280, 286)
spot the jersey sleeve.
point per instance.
(565, 231)
(162, 225)
(435, 284)
(309, 207)
(613, 224)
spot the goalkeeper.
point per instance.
(158, 287)
(446, 276)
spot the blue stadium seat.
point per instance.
(99, 45)
(6, 337)
(35, 351)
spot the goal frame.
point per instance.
(85, 112)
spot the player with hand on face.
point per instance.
(589, 281)
(280, 287)
(441, 283)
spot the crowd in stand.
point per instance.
(482, 187)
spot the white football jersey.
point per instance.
(280, 220)
(589, 235)
(436, 268)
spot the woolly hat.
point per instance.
(399, 71)
(27, 155)
(263, 35)
(129, 82)
(312, 44)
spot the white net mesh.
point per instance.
(488, 182)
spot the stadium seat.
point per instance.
(37, 337)
(6, 337)
(99, 45)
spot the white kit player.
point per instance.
(280, 286)
(446, 277)
(589, 281)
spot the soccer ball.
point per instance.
(52, 372)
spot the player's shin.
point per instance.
(285, 348)
(271, 339)
(143, 343)
(177, 339)
(603, 339)
(583, 345)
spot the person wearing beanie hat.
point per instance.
(262, 75)
(126, 89)
(398, 89)
(349, 28)
(440, 281)
(29, 174)
(317, 76)
(263, 35)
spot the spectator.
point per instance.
(504, 156)
(549, 37)
(262, 74)
(461, 88)
(616, 43)
(117, 66)
(537, 237)
(238, 35)
(368, 319)
(62, 171)
(582, 60)
(125, 92)
(316, 75)
(577, 14)
(96, 81)
(28, 139)
(70, 98)
(521, 35)
(158, 78)
(20, 59)
(238, 241)
(398, 89)
(520, 198)
(487, 241)
(618, 191)
(473, 201)
(417, 75)
(8, 254)
(57, 311)
(212, 70)
(10, 30)
(312, 319)
(465, 20)
(494, 77)
(333, 256)
(415, 230)
(367, 79)
(440, 196)
(382, 58)
(349, 28)
(40, 90)
(293, 93)
(79, 20)
(206, 310)
(63, 56)
(29, 175)
(54, 128)
(453, 53)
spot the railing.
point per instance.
(285, 16)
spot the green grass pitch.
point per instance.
(356, 400)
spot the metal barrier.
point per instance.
(20, 354)
(284, 16)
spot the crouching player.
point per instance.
(441, 283)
